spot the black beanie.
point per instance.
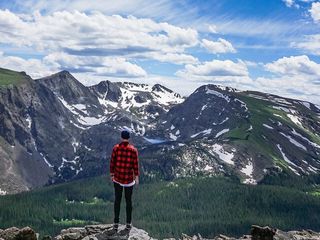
(125, 134)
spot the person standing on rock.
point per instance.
(124, 172)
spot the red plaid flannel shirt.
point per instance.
(124, 163)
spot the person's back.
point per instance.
(124, 163)
(124, 172)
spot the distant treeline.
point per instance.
(209, 206)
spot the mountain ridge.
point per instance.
(216, 130)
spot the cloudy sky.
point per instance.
(271, 46)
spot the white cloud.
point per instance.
(101, 66)
(296, 77)
(175, 58)
(271, 28)
(310, 43)
(216, 70)
(295, 65)
(296, 87)
(289, 3)
(166, 10)
(315, 11)
(212, 28)
(93, 34)
(34, 67)
(220, 46)
(97, 65)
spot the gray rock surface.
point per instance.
(101, 232)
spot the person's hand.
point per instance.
(137, 180)
(111, 177)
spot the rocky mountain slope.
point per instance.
(100, 232)
(55, 129)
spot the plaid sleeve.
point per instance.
(112, 160)
(135, 163)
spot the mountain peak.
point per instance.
(64, 73)
(160, 88)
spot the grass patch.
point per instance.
(8, 77)
(70, 222)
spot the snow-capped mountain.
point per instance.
(55, 129)
(248, 134)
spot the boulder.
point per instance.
(262, 233)
(9, 233)
(26, 233)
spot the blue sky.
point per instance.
(271, 46)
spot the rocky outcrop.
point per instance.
(102, 232)
(266, 233)
(15, 233)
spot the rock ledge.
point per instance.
(101, 232)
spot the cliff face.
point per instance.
(101, 232)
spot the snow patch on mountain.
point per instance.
(218, 94)
(46, 161)
(248, 171)
(223, 121)
(83, 119)
(105, 102)
(293, 141)
(91, 121)
(29, 121)
(2, 192)
(285, 109)
(127, 100)
(229, 89)
(304, 138)
(280, 100)
(295, 119)
(154, 140)
(64, 161)
(257, 96)
(74, 144)
(166, 98)
(77, 125)
(306, 104)
(243, 104)
(204, 132)
(287, 160)
(202, 109)
(81, 107)
(87, 148)
(222, 132)
(267, 126)
(173, 137)
(277, 115)
(223, 155)
(137, 87)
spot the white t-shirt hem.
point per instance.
(126, 185)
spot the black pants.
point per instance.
(118, 194)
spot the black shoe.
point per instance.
(124, 232)
(111, 232)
